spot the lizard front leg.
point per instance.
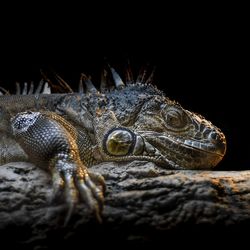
(50, 142)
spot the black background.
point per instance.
(201, 56)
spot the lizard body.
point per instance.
(68, 133)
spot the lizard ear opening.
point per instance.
(119, 142)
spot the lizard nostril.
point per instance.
(219, 141)
(214, 136)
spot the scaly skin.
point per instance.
(67, 133)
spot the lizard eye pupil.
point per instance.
(119, 142)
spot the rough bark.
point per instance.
(143, 204)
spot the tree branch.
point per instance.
(143, 203)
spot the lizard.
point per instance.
(67, 133)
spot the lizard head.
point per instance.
(141, 123)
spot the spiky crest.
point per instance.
(144, 82)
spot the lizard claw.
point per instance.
(71, 196)
(79, 185)
(98, 178)
(93, 194)
(58, 185)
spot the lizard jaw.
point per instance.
(188, 153)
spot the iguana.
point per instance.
(66, 133)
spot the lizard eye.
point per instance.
(175, 118)
(119, 142)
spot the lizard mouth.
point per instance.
(208, 148)
(189, 153)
